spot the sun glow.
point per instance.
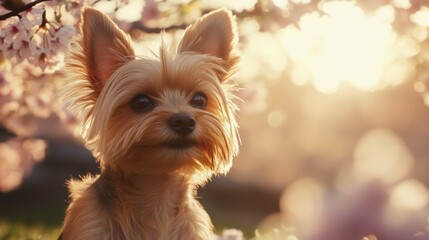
(346, 46)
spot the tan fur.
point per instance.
(139, 207)
(147, 190)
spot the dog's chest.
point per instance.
(168, 214)
(164, 222)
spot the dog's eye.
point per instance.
(199, 100)
(142, 103)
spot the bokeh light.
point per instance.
(380, 154)
(410, 195)
(303, 200)
(345, 45)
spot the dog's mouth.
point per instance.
(180, 144)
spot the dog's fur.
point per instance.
(147, 185)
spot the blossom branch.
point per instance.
(16, 12)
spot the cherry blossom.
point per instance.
(32, 17)
(17, 160)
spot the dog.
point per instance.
(159, 128)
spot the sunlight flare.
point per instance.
(344, 45)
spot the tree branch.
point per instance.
(16, 12)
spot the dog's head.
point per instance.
(174, 113)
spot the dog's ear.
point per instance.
(214, 33)
(105, 47)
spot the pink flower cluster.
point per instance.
(26, 95)
(17, 160)
(32, 37)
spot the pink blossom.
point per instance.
(8, 51)
(32, 17)
(363, 214)
(39, 105)
(62, 37)
(17, 160)
(150, 11)
(15, 30)
(9, 94)
(22, 45)
(25, 48)
(32, 37)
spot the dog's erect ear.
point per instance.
(214, 33)
(105, 47)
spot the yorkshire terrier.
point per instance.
(159, 128)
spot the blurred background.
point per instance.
(334, 120)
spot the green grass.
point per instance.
(45, 223)
(42, 219)
(21, 231)
(21, 219)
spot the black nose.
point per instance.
(182, 124)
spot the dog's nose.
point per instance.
(182, 124)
